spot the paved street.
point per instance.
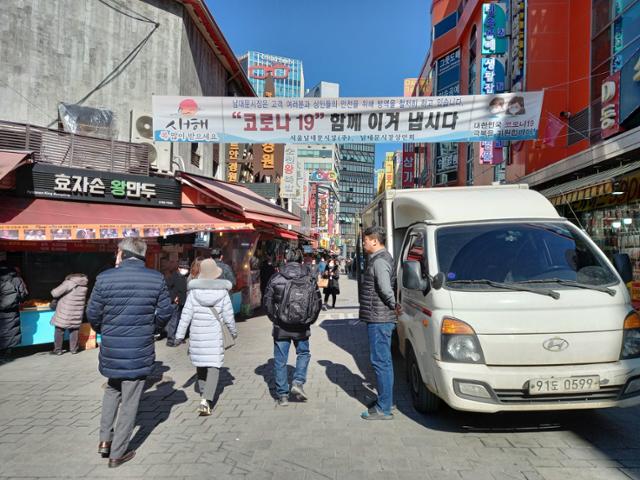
(50, 407)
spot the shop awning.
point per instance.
(286, 234)
(241, 200)
(42, 219)
(595, 185)
(10, 160)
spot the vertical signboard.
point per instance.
(610, 113)
(493, 75)
(494, 28)
(518, 20)
(268, 156)
(289, 172)
(408, 167)
(491, 153)
(232, 162)
(448, 74)
(388, 172)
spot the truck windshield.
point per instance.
(519, 252)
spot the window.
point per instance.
(520, 252)
(470, 158)
(416, 249)
(472, 61)
(195, 155)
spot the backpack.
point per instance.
(300, 305)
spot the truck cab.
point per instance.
(506, 305)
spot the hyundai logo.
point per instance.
(555, 344)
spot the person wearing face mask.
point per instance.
(332, 273)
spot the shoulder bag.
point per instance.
(227, 339)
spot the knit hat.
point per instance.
(209, 270)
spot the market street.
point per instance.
(50, 408)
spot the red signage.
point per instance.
(610, 113)
(277, 71)
(408, 168)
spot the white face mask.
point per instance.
(183, 271)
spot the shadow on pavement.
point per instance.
(225, 380)
(353, 384)
(156, 405)
(266, 372)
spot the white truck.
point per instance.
(506, 305)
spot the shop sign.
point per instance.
(518, 20)
(42, 180)
(321, 175)
(323, 208)
(232, 163)
(630, 88)
(289, 172)
(494, 28)
(629, 184)
(491, 153)
(447, 160)
(268, 156)
(408, 167)
(493, 75)
(610, 100)
(388, 172)
(448, 74)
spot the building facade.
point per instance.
(99, 73)
(287, 73)
(357, 166)
(324, 90)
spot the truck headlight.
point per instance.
(459, 342)
(631, 337)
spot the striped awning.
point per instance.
(595, 185)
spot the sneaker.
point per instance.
(298, 391)
(375, 414)
(204, 410)
(372, 404)
(56, 352)
(283, 400)
(325, 307)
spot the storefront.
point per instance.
(57, 221)
(607, 206)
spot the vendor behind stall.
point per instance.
(71, 296)
(13, 291)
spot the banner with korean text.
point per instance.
(472, 118)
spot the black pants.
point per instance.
(58, 338)
(172, 326)
(333, 296)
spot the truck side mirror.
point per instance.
(412, 276)
(622, 262)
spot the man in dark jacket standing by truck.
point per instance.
(378, 308)
(292, 300)
(126, 305)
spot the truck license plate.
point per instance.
(540, 386)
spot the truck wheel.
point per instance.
(423, 400)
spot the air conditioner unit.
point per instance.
(441, 178)
(142, 132)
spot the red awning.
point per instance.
(240, 199)
(286, 234)
(42, 219)
(10, 160)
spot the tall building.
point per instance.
(357, 189)
(287, 73)
(324, 90)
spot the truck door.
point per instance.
(415, 322)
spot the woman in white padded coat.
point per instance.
(206, 343)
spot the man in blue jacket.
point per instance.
(126, 304)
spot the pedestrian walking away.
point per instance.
(13, 292)
(378, 308)
(177, 285)
(126, 305)
(292, 301)
(227, 271)
(71, 296)
(208, 305)
(332, 274)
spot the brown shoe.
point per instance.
(104, 449)
(116, 462)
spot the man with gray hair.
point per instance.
(126, 305)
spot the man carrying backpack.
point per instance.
(292, 300)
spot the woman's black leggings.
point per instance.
(326, 298)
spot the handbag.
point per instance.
(227, 339)
(323, 282)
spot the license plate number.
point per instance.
(539, 386)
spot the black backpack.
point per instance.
(300, 303)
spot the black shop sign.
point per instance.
(60, 183)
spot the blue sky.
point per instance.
(367, 46)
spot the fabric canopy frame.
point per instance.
(41, 219)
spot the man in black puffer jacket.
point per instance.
(292, 300)
(126, 305)
(12, 292)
